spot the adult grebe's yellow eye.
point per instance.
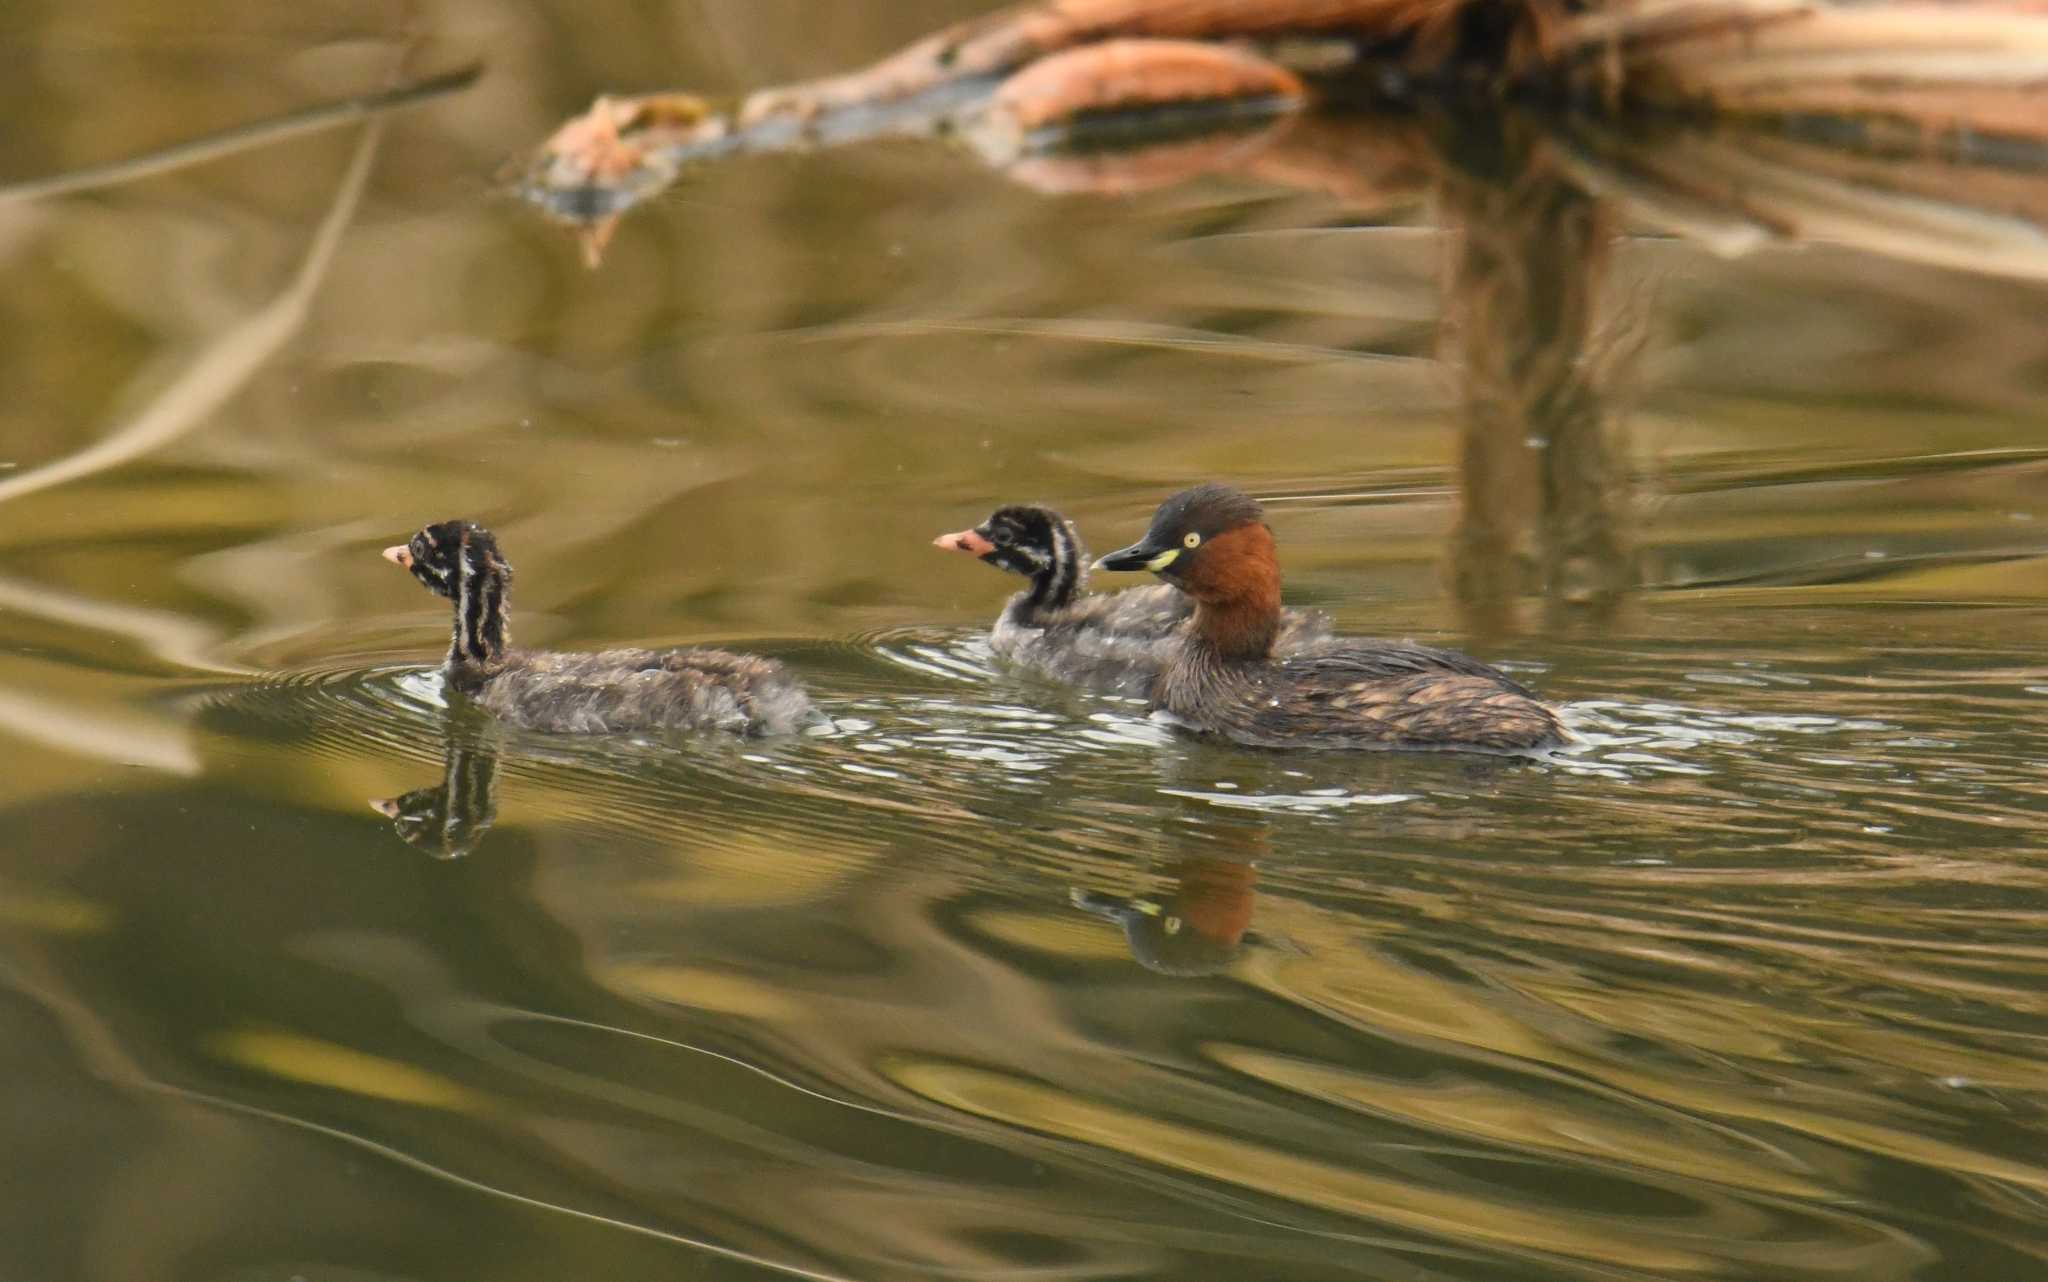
(1193, 540)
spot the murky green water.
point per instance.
(985, 980)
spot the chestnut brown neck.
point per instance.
(1236, 587)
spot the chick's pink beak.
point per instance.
(401, 555)
(968, 541)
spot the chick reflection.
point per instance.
(1202, 923)
(448, 819)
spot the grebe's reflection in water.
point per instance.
(1201, 921)
(1200, 926)
(448, 820)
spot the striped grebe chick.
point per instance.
(605, 692)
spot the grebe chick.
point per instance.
(610, 691)
(1113, 641)
(1212, 543)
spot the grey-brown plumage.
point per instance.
(1213, 542)
(1380, 694)
(604, 692)
(1112, 641)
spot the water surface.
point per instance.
(982, 979)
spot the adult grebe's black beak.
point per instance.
(1142, 555)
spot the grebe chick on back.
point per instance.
(1212, 542)
(609, 691)
(1113, 641)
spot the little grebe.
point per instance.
(1212, 543)
(609, 691)
(1115, 641)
